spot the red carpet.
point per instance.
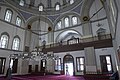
(48, 77)
(59, 77)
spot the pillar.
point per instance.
(90, 60)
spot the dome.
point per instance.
(49, 6)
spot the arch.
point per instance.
(65, 34)
(68, 58)
(17, 37)
(35, 18)
(5, 33)
(15, 10)
(85, 9)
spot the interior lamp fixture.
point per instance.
(35, 55)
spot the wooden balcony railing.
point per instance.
(82, 40)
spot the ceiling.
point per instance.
(49, 5)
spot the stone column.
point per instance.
(50, 65)
(27, 40)
(87, 28)
(50, 37)
(90, 60)
(24, 67)
(90, 57)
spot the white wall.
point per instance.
(14, 16)
(105, 51)
(12, 30)
(6, 54)
(74, 54)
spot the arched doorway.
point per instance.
(68, 65)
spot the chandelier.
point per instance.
(35, 55)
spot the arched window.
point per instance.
(4, 41)
(8, 15)
(74, 20)
(16, 43)
(59, 25)
(66, 20)
(18, 21)
(71, 1)
(22, 2)
(57, 7)
(41, 7)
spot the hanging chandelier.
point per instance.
(34, 55)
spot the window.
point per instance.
(59, 25)
(16, 43)
(71, 1)
(58, 64)
(18, 21)
(13, 65)
(57, 7)
(41, 7)
(2, 65)
(74, 20)
(4, 41)
(66, 22)
(80, 63)
(8, 15)
(109, 66)
(22, 2)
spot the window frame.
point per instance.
(5, 33)
(42, 7)
(14, 66)
(22, 3)
(6, 13)
(16, 21)
(3, 58)
(80, 64)
(72, 20)
(109, 63)
(13, 41)
(56, 27)
(70, 2)
(68, 21)
(58, 65)
(56, 6)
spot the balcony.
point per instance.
(101, 41)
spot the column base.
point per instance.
(91, 70)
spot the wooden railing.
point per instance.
(81, 40)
